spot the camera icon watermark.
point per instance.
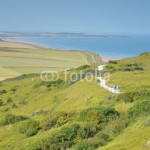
(49, 76)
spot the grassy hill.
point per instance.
(133, 75)
(78, 115)
(19, 58)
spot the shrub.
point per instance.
(103, 138)
(127, 69)
(54, 141)
(3, 92)
(70, 131)
(132, 67)
(23, 102)
(88, 130)
(66, 138)
(110, 68)
(14, 105)
(29, 128)
(113, 62)
(98, 114)
(63, 118)
(13, 89)
(119, 125)
(49, 84)
(24, 76)
(145, 53)
(9, 100)
(1, 102)
(132, 96)
(140, 108)
(90, 144)
(50, 123)
(40, 112)
(10, 119)
(83, 67)
(58, 120)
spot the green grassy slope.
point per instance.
(134, 79)
(80, 115)
(136, 135)
(133, 137)
(18, 58)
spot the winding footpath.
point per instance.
(102, 82)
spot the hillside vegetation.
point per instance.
(19, 58)
(79, 115)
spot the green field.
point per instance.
(19, 58)
(80, 115)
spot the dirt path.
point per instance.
(102, 82)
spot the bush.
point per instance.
(139, 109)
(88, 130)
(14, 105)
(133, 96)
(40, 112)
(24, 76)
(54, 141)
(119, 124)
(3, 92)
(132, 67)
(23, 102)
(49, 84)
(58, 120)
(113, 62)
(103, 138)
(127, 69)
(89, 144)
(9, 100)
(63, 118)
(110, 68)
(70, 131)
(145, 53)
(10, 119)
(29, 128)
(50, 123)
(98, 114)
(1, 102)
(13, 89)
(68, 136)
(83, 67)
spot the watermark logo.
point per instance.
(89, 76)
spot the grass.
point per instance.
(134, 137)
(53, 111)
(128, 79)
(19, 58)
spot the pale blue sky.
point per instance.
(86, 16)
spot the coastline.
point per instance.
(104, 58)
(35, 44)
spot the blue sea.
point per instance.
(118, 47)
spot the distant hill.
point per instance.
(47, 34)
